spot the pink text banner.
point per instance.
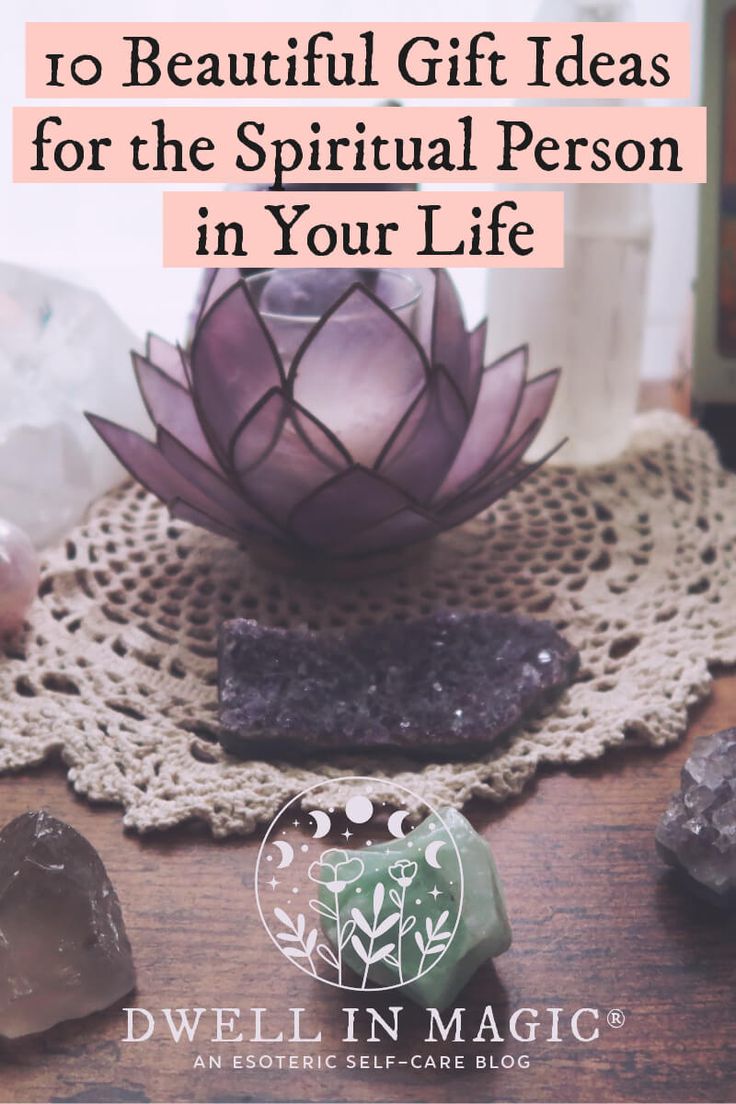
(366, 229)
(335, 145)
(441, 60)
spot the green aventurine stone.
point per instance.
(422, 912)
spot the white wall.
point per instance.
(109, 236)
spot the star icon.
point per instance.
(347, 834)
(273, 883)
(435, 893)
(295, 823)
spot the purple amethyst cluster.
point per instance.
(449, 683)
(697, 833)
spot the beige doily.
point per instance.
(634, 562)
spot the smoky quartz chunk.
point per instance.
(63, 948)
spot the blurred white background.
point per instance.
(109, 236)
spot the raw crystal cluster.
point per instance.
(447, 683)
(329, 418)
(61, 349)
(19, 576)
(697, 834)
(419, 877)
(63, 948)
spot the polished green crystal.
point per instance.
(421, 913)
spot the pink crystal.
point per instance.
(63, 948)
(19, 576)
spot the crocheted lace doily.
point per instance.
(117, 670)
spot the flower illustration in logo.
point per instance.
(335, 870)
(404, 872)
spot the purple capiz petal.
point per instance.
(476, 351)
(219, 281)
(170, 405)
(406, 526)
(425, 442)
(534, 403)
(147, 464)
(170, 359)
(257, 434)
(281, 455)
(244, 514)
(508, 460)
(477, 345)
(450, 345)
(234, 364)
(489, 491)
(182, 511)
(358, 371)
(493, 417)
(352, 500)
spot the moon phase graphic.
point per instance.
(287, 854)
(323, 823)
(431, 852)
(395, 823)
(359, 809)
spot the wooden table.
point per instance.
(597, 923)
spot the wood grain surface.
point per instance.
(598, 922)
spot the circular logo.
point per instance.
(354, 895)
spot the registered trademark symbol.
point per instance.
(616, 1018)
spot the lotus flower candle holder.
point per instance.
(331, 415)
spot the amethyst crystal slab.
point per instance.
(63, 948)
(449, 683)
(697, 833)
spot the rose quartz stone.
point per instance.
(19, 576)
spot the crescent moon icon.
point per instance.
(430, 853)
(323, 823)
(287, 854)
(395, 822)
